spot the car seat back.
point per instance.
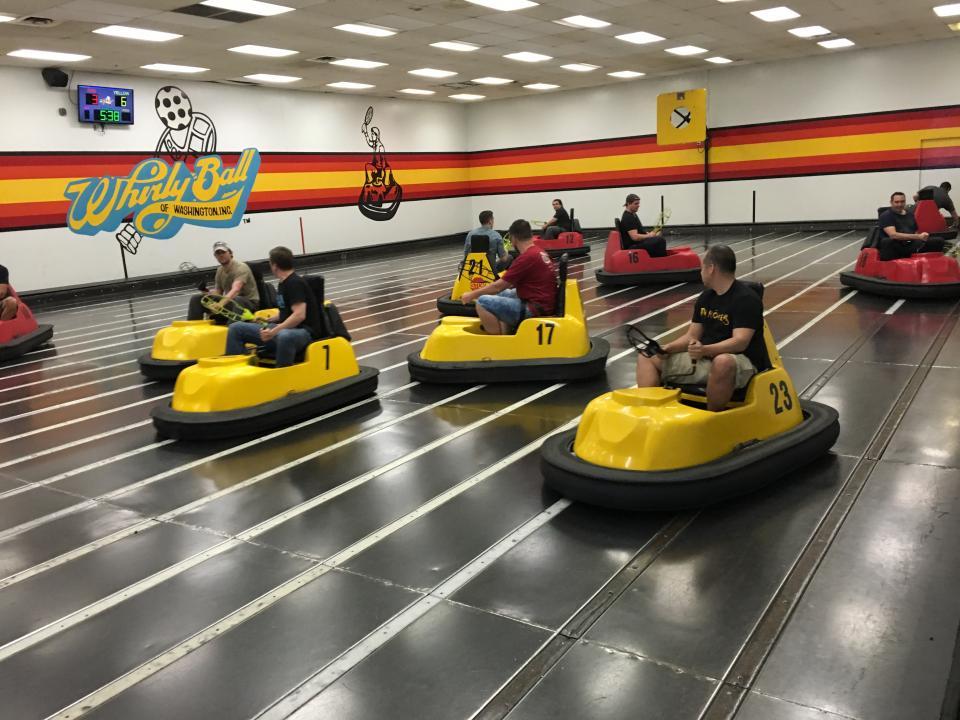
(624, 241)
(574, 223)
(928, 216)
(266, 291)
(561, 303)
(479, 243)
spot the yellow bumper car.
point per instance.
(221, 397)
(473, 272)
(661, 449)
(548, 349)
(183, 342)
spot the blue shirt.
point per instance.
(496, 243)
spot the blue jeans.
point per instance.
(284, 346)
(505, 307)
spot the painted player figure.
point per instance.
(186, 133)
(381, 194)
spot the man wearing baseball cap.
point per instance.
(233, 281)
(632, 236)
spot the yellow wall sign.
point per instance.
(682, 117)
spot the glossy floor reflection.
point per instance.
(403, 560)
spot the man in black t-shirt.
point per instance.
(632, 236)
(724, 346)
(296, 325)
(8, 299)
(559, 223)
(900, 238)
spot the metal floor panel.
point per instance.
(509, 562)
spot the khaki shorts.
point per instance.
(679, 369)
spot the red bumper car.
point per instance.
(570, 242)
(636, 267)
(22, 333)
(922, 276)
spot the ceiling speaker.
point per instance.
(54, 77)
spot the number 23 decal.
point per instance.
(781, 394)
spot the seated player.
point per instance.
(234, 281)
(632, 234)
(497, 254)
(723, 347)
(900, 238)
(527, 289)
(9, 304)
(298, 323)
(559, 223)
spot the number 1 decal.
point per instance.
(326, 353)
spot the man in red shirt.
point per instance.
(527, 289)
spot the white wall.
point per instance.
(835, 83)
(265, 118)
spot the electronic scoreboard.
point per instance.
(106, 105)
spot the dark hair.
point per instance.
(946, 186)
(897, 193)
(520, 230)
(559, 201)
(722, 258)
(282, 258)
(486, 216)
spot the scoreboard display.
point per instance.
(106, 105)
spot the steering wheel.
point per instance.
(230, 310)
(643, 343)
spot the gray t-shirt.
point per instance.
(236, 270)
(496, 243)
(941, 197)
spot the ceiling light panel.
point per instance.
(417, 91)
(131, 33)
(530, 57)
(626, 74)
(48, 55)
(718, 60)
(954, 26)
(364, 29)
(583, 21)
(346, 85)
(167, 67)
(262, 50)
(541, 86)
(252, 7)
(456, 46)
(686, 50)
(836, 43)
(947, 10)
(809, 32)
(776, 14)
(492, 81)
(504, 5)
(640, 38)
(432, 73)
(268, 78)
(580, 67)
(359, 64)
(7, 18)
(467, 96)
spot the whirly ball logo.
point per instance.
(161, 194)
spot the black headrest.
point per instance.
(755, 286)
(882, 210)
(616, 224)
(316, 283)
(873, 239)
(571, 214)
(479, 243)
(562, 286)
(926, 193)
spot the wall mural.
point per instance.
(161, 194)
(381, 194)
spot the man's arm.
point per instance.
(501, 247)
(682, 343)
(892, 233)
(234, 289)
(735, 345)
(637, 235)
(493, 288)
(298, 313)
(4, 290)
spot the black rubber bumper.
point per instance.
(25, 343)
(659, 277)
(267, 416)
(738, 473)
(570, 252)
(446, 306)
(162, 369)
(910, 291)
(552, 370)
